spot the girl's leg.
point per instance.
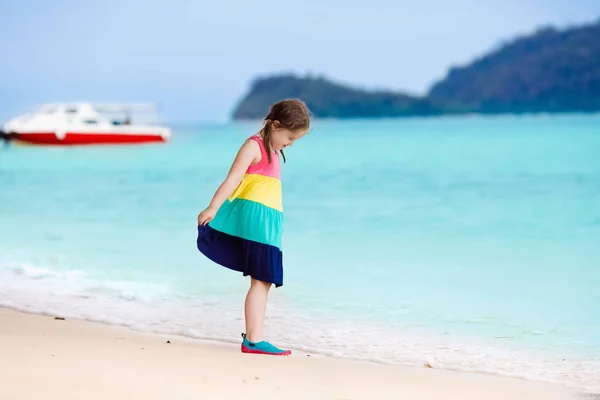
(255, 309)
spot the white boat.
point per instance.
(87, 123)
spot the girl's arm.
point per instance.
(248, 154)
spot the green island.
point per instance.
(548, 71)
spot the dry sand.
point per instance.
(43, 358)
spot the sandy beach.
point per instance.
(47, 358)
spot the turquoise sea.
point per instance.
(469, 243)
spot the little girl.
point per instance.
(241, 228)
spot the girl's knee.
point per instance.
(261, 284)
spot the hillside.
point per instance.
(550, 71)
(547, 71)
(327, 99)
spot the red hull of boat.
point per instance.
(74, 138)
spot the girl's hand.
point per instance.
(206, 216)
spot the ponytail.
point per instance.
(267, 129)
(266, 136)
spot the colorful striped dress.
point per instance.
(245, 234)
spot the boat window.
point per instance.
(51, 110)
(71, 110)
(90, 121)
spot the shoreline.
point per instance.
(415, 351)
(96, 360)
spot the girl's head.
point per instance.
(288, 121)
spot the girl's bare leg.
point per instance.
(255, 309)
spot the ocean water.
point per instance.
(469, 243)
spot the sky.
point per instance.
(196, 59)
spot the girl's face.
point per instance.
(282, 138)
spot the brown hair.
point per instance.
(291, 114)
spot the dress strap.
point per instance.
(260, 142)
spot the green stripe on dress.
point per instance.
(250, 220)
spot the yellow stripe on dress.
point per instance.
(261, 189)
